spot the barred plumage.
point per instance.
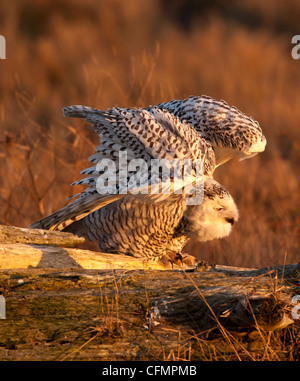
(152, 230)
(231, 132)
(147, 225)
(141, 135)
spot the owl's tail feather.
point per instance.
(74, 211)
(80, 111)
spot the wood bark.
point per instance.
(68, 303)
(13, 234)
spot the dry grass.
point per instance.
(175, 342)
(136, 53)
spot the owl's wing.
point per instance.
(230, 132)
(141, 135)
(74, 211)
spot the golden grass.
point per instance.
(115, 53)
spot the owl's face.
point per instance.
(215, 216)
(218, 216)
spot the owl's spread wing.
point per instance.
(230, 132)
(142, 135)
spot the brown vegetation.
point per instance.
(115, 53)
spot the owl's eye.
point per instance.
(218, 208)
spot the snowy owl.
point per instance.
(157, 226)
(159, 230)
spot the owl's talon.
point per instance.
(179, 256)
(184, 261)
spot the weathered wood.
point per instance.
(229, 307)
(67, 303)
(143, 315)
(21, 256)
(13, 234)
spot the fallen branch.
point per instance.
(13, 234)
(224, 301)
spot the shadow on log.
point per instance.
(244, 305)
(240, 314)
(67, 303)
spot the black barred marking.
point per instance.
(192, 108)
(190, 128)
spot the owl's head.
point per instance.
(214, 217)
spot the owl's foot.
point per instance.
(184, 261)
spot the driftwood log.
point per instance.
(12, 234)
(68, 303)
